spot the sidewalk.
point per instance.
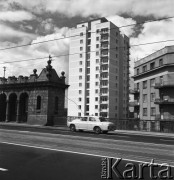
(65, 128)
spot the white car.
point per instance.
(91, 123)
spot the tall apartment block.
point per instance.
(154, 90)
(98, 70)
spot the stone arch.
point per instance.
(3, 105)
(12, 107)
(23, 107)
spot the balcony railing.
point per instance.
(164, 84)
(164, 116)
(134, 103)
(134, 91)
(104, 32)
(166, 100)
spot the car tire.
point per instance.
(97, 130)
(72, 128)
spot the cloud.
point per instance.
(152, 32)
(56, 48)
(15, 16)
(87, 8)
(9, 34)
(120, 21)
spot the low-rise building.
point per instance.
(154, 90)
(38, 99)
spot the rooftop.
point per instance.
(161, 52)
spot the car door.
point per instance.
(82, 123)
(91, 123)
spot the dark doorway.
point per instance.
(12, 107)
(23, 107)
(2, 107)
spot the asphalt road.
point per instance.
(40, 155)
(110, 135)
(29, 163)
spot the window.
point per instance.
(87, 100)
(88, 56)
(81, 34)
(116, 55)
(80, 69)
(152, 82)
(138, 86)
(80, 84)
(89, 34)
(97, 60)
(152, 97)
(79, 106)
(87, 93)
(96, 114)
(97, 75)
(96, 106)
(88, 48)
(97, 68)
(138, 71)
(97, 45)
(79, 114)
(145, 68)
(87, 85)
(144, 98)
(152, 65)
(81, 41)
(144, 84)
(80, 91)
(97, 31)
(96, 83)
(88, 78)
(80, 99)
(160, 62)
(96, 91)
(80, 77)
(96, 99)
(89, 41)
(97, 38)
(97, 53)
(56, 103)
(80, 62)
(81, 48)
(161, 79)
(88, 63)
(152, 111)
(144, 111)
(87, 107)
(38, 106)
(80, 55)
(88, 70)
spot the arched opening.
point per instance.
(12, 107)
(38, 105)
(3, 105)
(23, 107)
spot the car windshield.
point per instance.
(102, 119)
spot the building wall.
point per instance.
(93, 87)
(161, 74)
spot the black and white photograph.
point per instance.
(86, 89)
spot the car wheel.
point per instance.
(105, 132)
(72, 128)
(97, 130)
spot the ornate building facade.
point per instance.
(37, 99)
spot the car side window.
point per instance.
(92, 119)
(84, 119)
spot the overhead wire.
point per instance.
(65, 37)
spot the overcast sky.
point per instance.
(30, 21)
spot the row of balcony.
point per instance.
(157, 101)
(164, 84)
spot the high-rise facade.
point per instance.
(154, 90)
(98, 70)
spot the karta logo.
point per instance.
(112, 168)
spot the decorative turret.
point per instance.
(49, 67)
